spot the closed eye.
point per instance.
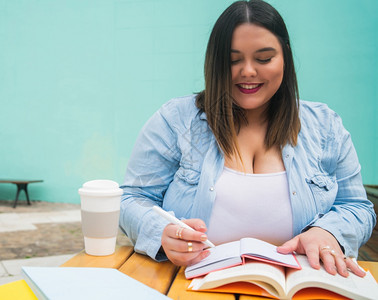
(235, 61)
(264, 61)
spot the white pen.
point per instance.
(176, 221)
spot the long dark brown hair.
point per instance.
(224, 116)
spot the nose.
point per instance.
(248, 69)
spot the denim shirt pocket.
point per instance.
(324, 190)
(188, 175)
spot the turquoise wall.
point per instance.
(78, 79)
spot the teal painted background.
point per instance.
(78, 79)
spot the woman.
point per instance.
(245, 158)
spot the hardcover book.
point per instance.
(274, 281)
(238, 253)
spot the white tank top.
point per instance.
(251, 205)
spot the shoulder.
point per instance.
(180, 111)
(184, 104)
(321, 128)
(318, 115)
(310, 109)
(173, 117)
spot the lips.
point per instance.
(249, 88)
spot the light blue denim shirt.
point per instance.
(176, 162)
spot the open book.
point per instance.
(257, 278)
(237, 253)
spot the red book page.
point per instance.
(245, 288)
(317, 293)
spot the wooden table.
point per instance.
(22, 185)
(164, 276)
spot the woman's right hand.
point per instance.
(182, 246)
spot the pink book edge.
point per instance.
(299, 267)
(274, 262)
(203, 274)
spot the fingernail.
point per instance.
(206, 254)
(335, 271)
(203, 237)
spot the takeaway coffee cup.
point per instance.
(100, 205)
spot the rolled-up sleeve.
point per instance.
(151, 168)
(352, 217)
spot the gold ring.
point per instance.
(190, 247)
(325, 248)
(179, 232)
(329, 249)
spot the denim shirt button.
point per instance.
(212, 188)
(287, 155)
(294, 193)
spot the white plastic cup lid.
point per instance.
(100, 188)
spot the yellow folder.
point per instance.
(16, 290)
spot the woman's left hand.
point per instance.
(318, 244)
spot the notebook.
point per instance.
(57, 283)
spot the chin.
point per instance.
(251, 104)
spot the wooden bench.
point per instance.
(22, 185)
(369, 251)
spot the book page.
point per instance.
(263, 250)
(352, 286)
(267, 276)
(222, 256)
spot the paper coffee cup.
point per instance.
(100, 205)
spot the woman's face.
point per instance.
(257, 66)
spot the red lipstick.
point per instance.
(249, 91)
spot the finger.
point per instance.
(289, 247)
(189, 247)
(341, 265)
(182, 233)
(177, 232)
(181, 252)
(313, 257)
(190, 235)
(178, 239)
(354, 268)
(196, 224)
(183, 258)
(328, 261)
(170, 230)
(200, 257)
(186, 253)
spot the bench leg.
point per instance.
(18, 193)
(20, 187)
(27, 194)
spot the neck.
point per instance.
(256, 117)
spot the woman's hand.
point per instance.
(182, 246)
(318, 243)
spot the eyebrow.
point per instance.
(258, 51)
